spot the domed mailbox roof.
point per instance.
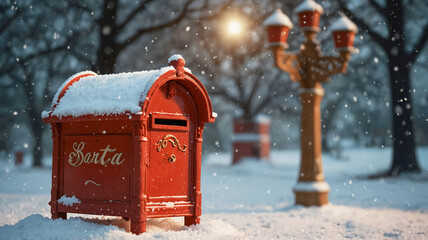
(88, 94)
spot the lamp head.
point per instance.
(344, 31)
(309, 13)
(278, 26)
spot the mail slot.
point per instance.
(129, 144)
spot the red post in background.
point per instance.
(19, 158)
(251, 139)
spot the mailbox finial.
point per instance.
(177, 61)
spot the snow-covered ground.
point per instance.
(251, 200)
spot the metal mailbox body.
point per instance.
(135, 165)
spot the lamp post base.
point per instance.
(311, 193)
(311, 198)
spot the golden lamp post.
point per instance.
(310, 67)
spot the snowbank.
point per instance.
(250, 200)
(43, 228)
(329, 222)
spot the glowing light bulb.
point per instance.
(234, 28)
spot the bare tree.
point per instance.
(238, 71)
(396, 46)
(35, 51)
(119, 26)
(39, 50)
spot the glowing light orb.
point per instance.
(234, 27)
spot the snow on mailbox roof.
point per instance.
(344, 24)
(309, 5)
(278, 18)
(105, 94)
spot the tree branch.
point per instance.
(271, 96)
(7, 22)
(419, 46)
(221, 92)
(379, 8)
(237, 77)
(10, 67)
(255, 88)
(77, 5)
(7, 86)
(4, 8)
(383, 42)
(161, 26)
(216, 15)
(136, 11)
(82, 57)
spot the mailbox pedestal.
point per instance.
(129, 145)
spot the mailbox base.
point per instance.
(138, 227)
(311, 198)
(188, 221)
(59, 215)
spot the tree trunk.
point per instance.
(107, 50)
(34, 119)
(404, 153)
(404, 150)
(37, 130)
(106, 62)
(327, 125)
(38, 152)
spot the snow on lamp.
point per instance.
(344, 31)
(278, 26)
(309, 13)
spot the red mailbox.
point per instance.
(129, 144)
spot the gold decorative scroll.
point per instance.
(90, 181)
(174, 141)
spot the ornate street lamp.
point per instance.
(310, 67)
